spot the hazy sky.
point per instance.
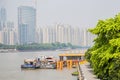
(80, 13)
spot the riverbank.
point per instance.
(87, 72)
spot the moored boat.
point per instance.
(48, 62)
(43, 62)
(31, 63)
(51, 62)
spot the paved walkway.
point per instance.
(87, 72)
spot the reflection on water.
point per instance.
(10, 68)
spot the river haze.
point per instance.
(10, 67)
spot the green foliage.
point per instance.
(45, 46)
(2, 46)
(104, 55)
(76, 73)
(36, 46)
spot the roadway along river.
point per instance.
(10, 67)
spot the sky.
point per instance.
(77, 13)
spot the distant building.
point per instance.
(3, 18)
(52, 34)
(13, 37)
(9, 36)
(7, 31)
(86, 37)
(39, 35)
(3, 14)
(63, 34)
(1, 37)
(59, 31)
(10, 25)
(23, 35)
(75, 36)
(46, 36)
(90, 39)
(67, 34)
(6, 36)
(27, 21)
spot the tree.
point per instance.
(104, 55)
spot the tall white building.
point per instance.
(75, 36)
(9, 36)
(59, 30)
(1, 37)
(90, 38)
(86, 37)
(39, 35)
(67, 34)
(52, 37)
(6, 36)
(13, 37)
(45, 35)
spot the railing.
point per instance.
(80, 76)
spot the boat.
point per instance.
(31, 64)
(51, 62)
(50, 66)
(43, 62)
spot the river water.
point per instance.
(10, 67)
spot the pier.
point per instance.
(77, 60)
(69, 60)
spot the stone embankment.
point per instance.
(86, 72)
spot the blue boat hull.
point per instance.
(29, 66)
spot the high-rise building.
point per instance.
(3, 18)
(23, 34)
(86, 38)
(9, 36)
(6, 36)
(39, 35)
(3, 14)
(75, 35)
(10, 25)
(45, 35)
(7, 31)
(90, 39)
(67, 34)
(27, 21)
(1, 37)
(52, 35)
(13, 37)
(59, 31)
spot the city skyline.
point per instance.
(28, 33)
(76, 13)
(64, 34)
(28, 15)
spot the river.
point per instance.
(10, 67)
